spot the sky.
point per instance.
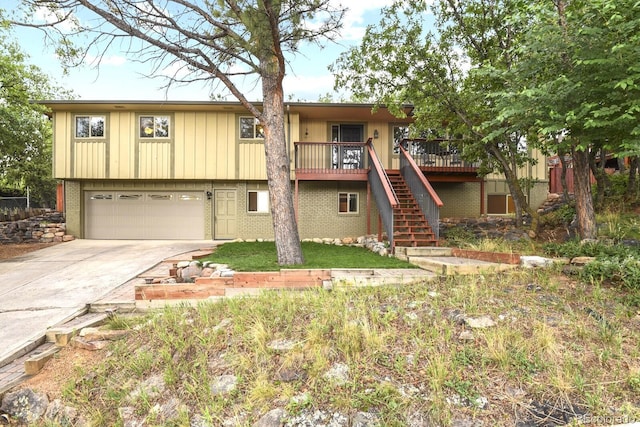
(120, 78)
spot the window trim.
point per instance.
(90, 116)
(256, 125)
(265, 199)
(348, 205)
(154, 138)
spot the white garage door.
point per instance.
(144, 215)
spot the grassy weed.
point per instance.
(401, 345)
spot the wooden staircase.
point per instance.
(410, 227)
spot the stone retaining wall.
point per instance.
(47, 227)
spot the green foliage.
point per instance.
(448, 75)
(261, 256)
(25, 131)
(614, 264)
(614, 270)
(575, 248)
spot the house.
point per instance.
(196, 170)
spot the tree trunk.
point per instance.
(285, 226)
(519, 199)
(582, 190)
(602, 179)
(563, 176)
(632, 190)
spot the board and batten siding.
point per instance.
(204, 145)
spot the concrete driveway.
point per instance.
(44, 288)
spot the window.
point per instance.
(400, 132)
(250, 128)
(154, 127)
(90, 127)
(500, 204)
(348, 202)
(258, 201)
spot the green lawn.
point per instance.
(262, 256)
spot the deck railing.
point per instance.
(431, 155)
(331, 160)
(425, 195)
(385, 197)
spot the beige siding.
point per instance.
(62, 146)
(122, 155)
(90, 159)
(203, 146)
(154, 160)
(251, 160)
(536, 172)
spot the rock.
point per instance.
(129, 417)
(479, 322)
(25, 405)
(466, 336)
(224, 324)
(466, 422)
(226, 273)
(287, 375)
(365, 419)
(533, 261)
(77, 342)
(273, 418)
(150, 388)
(224, 384)
(61, 414)
(170, 410)
(582, 260)
(338, 374)
(454, 315)
(281, 345)
(198, 421)
(206, 272)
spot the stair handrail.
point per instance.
(422, 191)
(383, 192)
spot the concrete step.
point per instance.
(379, 277)
(452, 265)
(424, 251)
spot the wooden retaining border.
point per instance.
(205, 287)
(502, 258)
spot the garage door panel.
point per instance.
(144, 215)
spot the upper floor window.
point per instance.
(90, 126)
(155, 126)
(400, 132)
(250, 128)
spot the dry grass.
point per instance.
(403, 351)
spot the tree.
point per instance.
(448, 75)
(578, 77)
(223, 40)
(25, 131)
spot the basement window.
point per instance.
(258, 201)
(500, 204)
(348, 202)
